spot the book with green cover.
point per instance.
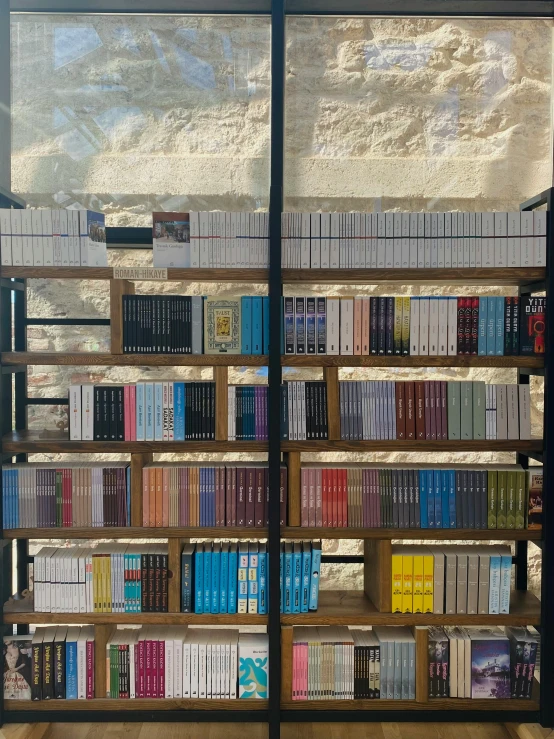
(479, 410)
(453, 398)
(521, 499)
(466, 410)
(511, 500)
(501, 499)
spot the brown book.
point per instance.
(228, 512)
(233, 496)
(419, 409)
(438, 409)
(250, 496)
(444, 406)
(428, 396)
(259, 503)
(409, 396)
(432, 411)
(400, 411)
(241, 496)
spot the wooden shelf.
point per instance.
(462, 360)
(353, 608)
(439, 704)
(106, 273)
(137, 704)
(180, 619)
(135, 360)
(298, 532)
(41, 441)
(534, 445)
(138, 533)
(472, 276)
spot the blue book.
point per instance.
(288, 577)
(257, 321)
(139, 411)
(232, 579)
(437, 487)
(71, 662)
(482, 329)
(224, 577)
(494, 582)
(15, 499)
(281, 568)
(158, 411)
(5, 499)
(423, 504)
(296, 576)
(431, 499)
(265, 326)
(500, 308)
(202, 497)
(246, 324)
(306, 572)
(179, 411)
(491, 326)
(262, 579)
(444, 506)
(207, 578)
(452, 499)
(199, 579)
(216, 568)
(505, 579)
(314, 577)
(149, 411)
(253, 577)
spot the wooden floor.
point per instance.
(289, 731)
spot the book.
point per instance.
(490, 663)
(18, 671)
(171, 240)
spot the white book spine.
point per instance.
(27, 236)
(75, 416)
(325, 230)
(452, 321)
(334, 248)
(424, 326)
(38, 245)
(414, 326)
(5, 237)
(17, 238)
(87, 415)
(315, 240)
(194, 239)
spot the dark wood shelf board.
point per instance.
(137, 704)
(106, 273)
(353, 608)
(198, 619)
(442, 704)
(134, 360)
(298, 532)
(462, 360)
(138, 533)
(534, 445)
(471, 276)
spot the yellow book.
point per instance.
(406, 325)
(95, 598)
(418, 584)
(428, 578)
(396, 604)
(407, 583)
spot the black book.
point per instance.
(98, 414)
(389, 348)
(311, 330)
(125, 309)
(187, 578)
(144, 582)
(300, 321)
(48, 663)
(395, 510)
(508, 342)
(105, 412)
(113, 413)
(120, 415)
(374, 325)
(515, 326)
(151, 582)
(309, 410)
(381, 325)
(321, 319)
(325, 420)
(212, 409)
(164, 582)
(37, 664)
(59, 662)
(408, 498)
(532, 325)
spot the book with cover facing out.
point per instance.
(535, 486)
(490, 663)
(532, 315)
(171, 239)
(17, 667)
(222, 333)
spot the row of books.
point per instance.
(304, 410)
(413, 240)
(143, 411)
(247, 413)
(415, 326)
(412, 497)
(111, 578)
(181, 662)
(482, 662)
(211, 239)
(431, 410)
(442, 579)
(66, 494)
(50, 237)
(300, 569)
(55, 662)
(339, 663)
(181, 324)
(188, 494)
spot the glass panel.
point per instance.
(133, 114)
(417, 114)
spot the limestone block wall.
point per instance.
(132, 114)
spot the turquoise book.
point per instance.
(494, 583)
(444, 499)
(288, 578)
(71, 662)
(253, 665)
(224, 577)
(199, 579)
(431, 499)
(315, 575)
(306, 572)
(179, 411)
(491, 326)
(296, 575)
(505, 579)
(265, 326)
(482, 331)
(232, 581)
(262, 579)
(158, 411)
(499, 350)
(246, 324)
(423, 504)
(216, 568)
(257, 322)
(207, 577)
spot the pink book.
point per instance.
(155, 668)
(148, 668)
(146, 497)
(294, 658)
(161, 669)
(318, 498)
(90, 669)
(165, 496)
(304, 508)
(133, 401)
(137, 671)
(140, 689)
(126, 413)
(311, 497)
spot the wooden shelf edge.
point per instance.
(298, 532)
(133, 360)
(200, 619)
(253, 275)
(322, 360)
(137, 704)
(488, 445)
(467, 276)
(138, 533)
(440, 704)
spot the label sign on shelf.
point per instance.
(139, 273)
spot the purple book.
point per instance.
(490, 663)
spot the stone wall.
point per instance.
(133, 114)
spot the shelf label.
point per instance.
(139, 273)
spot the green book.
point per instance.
(511, 500)
(453, 398)
(466, 410)
(521, 498)
(492, 498)
(479, 410)
(501, 499)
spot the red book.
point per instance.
(324, 499)
(400, 411)
(419, 409)
(468, 322)
(319, 497)
(234, 496)
(334, 522)
(427, 392)
(241, 496)
(90, 669)
(155, 668)
(438, 409)
(461, 325)
(304, 507)
(161, 669)
(444, 423)
(474, 324)
(311, 496)
(259, 505)
(409, 395)
(432, 413)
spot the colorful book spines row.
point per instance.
(175, 494)
(247, 413)
(64, 496)
(300, 568)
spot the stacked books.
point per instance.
(415, 326)
(300, 568)
(337, 663)
(66, 495)
(143, 411)
(304, 411)
(433, 410)
(442, 579)
(112, 578)
(187, 494)
(412, 497)
(48, 237)
(181, 662)
(482, 662)
(247, 413)
(208, 239)
(413, 240)
(181, 324)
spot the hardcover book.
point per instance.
(222, 326)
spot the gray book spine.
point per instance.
(412, 671)
(451, 582)
(479, 410)
(405, 670)
(466, 410)
(397, 669)
(438, 582)
(197, 324)
(472, 583)
(453, 397)
(501, 412)
(513, 411)
(484, 568)
(461, 587)
(390, 670)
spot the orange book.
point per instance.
(165, 496)
(146, 497)
(324, 522)
(358, 302)
(159, 497)
(335, 521)
(365, 327)
(152, 498)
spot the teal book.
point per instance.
(499, 351)
(224, 577)
(453, 390)
(262, 579)
(288, 577)
(445, 498)
(437, 489)
(491, 326)
(306, 572)
(479, 410)
(179, 411)
(207, 578)
(466, 410)
(482, 329)
(253, 577)
(199, 579)
(246, 324)
(265, 325)
(505, 579)
(315, 575)
(257, 322)
(296, 576)
(216, 569)
(232, 579)
(71, 662)
(452, 499)
(430, 499)
(494, 582)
